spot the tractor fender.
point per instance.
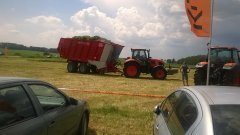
(160, 66)
(201, 65)
(229, 66)
(131, 60)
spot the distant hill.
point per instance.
(15, 46)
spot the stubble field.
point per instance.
(110, 114)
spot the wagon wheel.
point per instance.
(72, 67)
(83, 68)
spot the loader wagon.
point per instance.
(84, 56)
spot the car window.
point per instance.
(48, 97)
(169, 103)
(183, 115)
(15, 106)
(226, 119)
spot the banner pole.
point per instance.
(210, 44)
(209, 60)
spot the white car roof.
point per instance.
(217, 94)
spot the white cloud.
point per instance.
(126, 24)
(10, 28)
(151, 30)
(46, 21)
(159, 25)
(92, 21)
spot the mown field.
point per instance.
(110, 114)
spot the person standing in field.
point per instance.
(184, 70)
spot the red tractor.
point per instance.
(141, 62)
(224, 69)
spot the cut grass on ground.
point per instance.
(110, 114)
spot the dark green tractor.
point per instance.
(224, 68)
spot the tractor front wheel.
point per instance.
(131, 70)
(159, 73)
(200, 77)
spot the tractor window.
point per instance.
(220, 56)
(236, 56)
(139, 54)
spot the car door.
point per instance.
(18, 114)
(167, 106)
(160, 126)
(184, 114)
(60, 117)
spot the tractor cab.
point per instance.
(141, 54)
(225, 67)
(221, 56)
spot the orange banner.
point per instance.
(199, 15)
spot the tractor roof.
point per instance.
(224, 47)
(139, 49)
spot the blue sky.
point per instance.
(14, 10)
(159, 25)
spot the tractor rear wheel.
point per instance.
(131, 70)
(83, 68)
(200, 77)
(72, 67)
(159, 73)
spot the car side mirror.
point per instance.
(157, 110)
(73, 101)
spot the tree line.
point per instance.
(23, 47)
(191, 60)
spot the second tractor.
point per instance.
(224, 68)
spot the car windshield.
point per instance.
(226, 119)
